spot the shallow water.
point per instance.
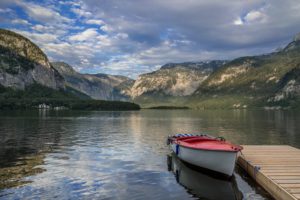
(122, 155)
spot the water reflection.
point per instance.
(13, 176)
(203, 185)
(121, 155)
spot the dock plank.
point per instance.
(285, 177)
(275, 167)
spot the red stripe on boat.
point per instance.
(206, 143)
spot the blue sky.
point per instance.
(131, 37)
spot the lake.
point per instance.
(123, 155)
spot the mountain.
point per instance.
(172, 84)
(289, 85)
(97, 86)
(264, 80)
(22, 63)
(252, 81)
(259, 79)
(174, 79)
(28, 80)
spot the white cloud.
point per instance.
(41, 28)
(141, 35)
(255, 16)
(69, 2)
(95, 21)
(252, 17)
(238, 21)
(88, 34)
(43, 14)
(39, 38)
(81, 12)
(103, 40)
(20, 21)
(59, 30)
(106, 28)
(121, 36)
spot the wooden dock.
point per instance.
(275, 167)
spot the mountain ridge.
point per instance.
(258, 78)
(261, 80)
(23, 63)
(97, 86)
(175, 79)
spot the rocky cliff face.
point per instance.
(289, 87)
(97, 86)
(261, 79)
(268, 78)
(22, 63)
(174, 79)
(254, 75)
(289, 84)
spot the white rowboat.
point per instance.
(206, 152)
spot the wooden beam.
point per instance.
(276, 168)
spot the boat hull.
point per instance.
(219, 161)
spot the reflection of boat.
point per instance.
(203, 185)
(207, 152)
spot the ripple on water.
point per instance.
(122, 155)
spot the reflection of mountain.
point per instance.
(24, 143)
(13, 176)
(203, 185)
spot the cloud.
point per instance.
(81, 12)
(95, 21)
(107, 28)
(255, 16)
(41, 28)
(238, 21)
(4, 3)
(20, 21)
(5, 10)
(195, 20)
(88, 34)
(43, 14)
(132, 37)
(39, 38)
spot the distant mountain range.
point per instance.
(28, 80)
(97, 86)
(269, 80)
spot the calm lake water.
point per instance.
(122, 155)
